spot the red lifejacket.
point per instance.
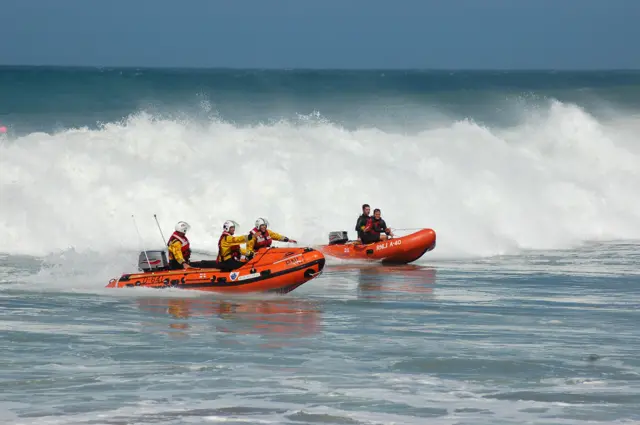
(263, 239)
(368, 228)
(235, 249)
(378, 226)
(186, 249)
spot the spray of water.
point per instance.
(558, 178)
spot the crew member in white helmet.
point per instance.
(179, 249)
(261, 237)
(230, 254)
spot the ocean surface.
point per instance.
(526, 312)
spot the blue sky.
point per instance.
(503, 34)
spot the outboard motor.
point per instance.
(157, 261)
(338, 238)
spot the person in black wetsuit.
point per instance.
(363, 220)
(376, 230)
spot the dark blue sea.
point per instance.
(527, 310)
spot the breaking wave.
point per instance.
(558, 178)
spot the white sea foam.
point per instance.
(558, 178)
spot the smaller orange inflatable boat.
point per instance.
(278, 270)
(398, 250)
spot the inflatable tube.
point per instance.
(279, 270)
(398, 250)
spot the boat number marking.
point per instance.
(389, 244)
(294, 260)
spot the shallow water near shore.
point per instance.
(450, 342)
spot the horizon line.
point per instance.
(239, 68)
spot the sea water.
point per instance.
(526, 311)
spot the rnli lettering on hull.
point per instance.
(389, 244)
(151, 280)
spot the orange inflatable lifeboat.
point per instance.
(278, 270)
(397, 250)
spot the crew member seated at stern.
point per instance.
(376, 229)
(180, 250)
(363, 220)
(261, 237)
(230, 255)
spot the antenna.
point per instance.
(140, 239)
(160, 229)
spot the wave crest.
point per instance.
(559, 177)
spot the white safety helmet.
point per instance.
(229, 224)
(260, 221)
(182, 226)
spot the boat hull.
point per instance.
(400, 250)
(279, 270)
